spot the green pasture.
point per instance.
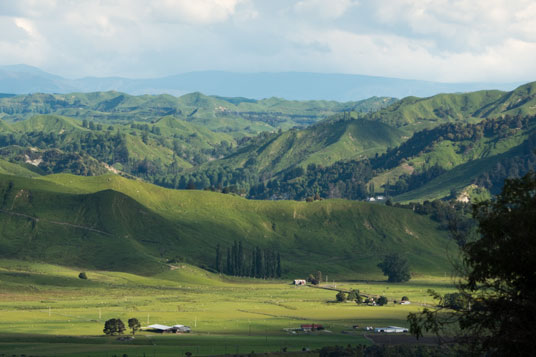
(47, 310)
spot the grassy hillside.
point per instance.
(415, 113)
(458, 155)
(9, 168)
(239, 116)
(324, 144)
(109, 222)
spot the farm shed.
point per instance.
(390, 329)
(168, 329)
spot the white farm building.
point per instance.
(390, 329)
(168, 329)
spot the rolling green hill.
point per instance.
(274, 155)
(109, 222)
(456, 156)
(8, 168)
(238, 116)
(415, 113)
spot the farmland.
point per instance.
(47, 310)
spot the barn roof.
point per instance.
(159, 327)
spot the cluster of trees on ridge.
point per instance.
(257, 263)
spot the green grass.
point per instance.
(9, 168)
(47, 309)
(109, 222)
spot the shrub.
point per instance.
(82, 275)
(341, 296)
(382, 300)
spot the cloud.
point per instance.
(200, 12)
(468, 40)
(327, 9)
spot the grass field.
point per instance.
(47, 310)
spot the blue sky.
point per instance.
(438, 40)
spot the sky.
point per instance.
(436, 40)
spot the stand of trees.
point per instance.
(257, 262)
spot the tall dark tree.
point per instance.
(241, 259)
(259, 261)
(395, 268)
(229, 262)
(494, 308)
(278, 270)
(218, 258)
(134, 325)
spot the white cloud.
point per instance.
(328, 9)
(194, 12)
(423, 39)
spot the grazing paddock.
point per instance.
(48, 310)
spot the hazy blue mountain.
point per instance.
(22, 79)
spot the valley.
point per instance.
(201, 210)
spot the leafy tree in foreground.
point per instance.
(134, 325)
(395, 267)
(114, 326)
(495, 307)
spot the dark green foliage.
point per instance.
(341, 296)
(403, 350)
(382, 300)
(258, 263)
(494, 308)
(134, 325)
(396, 268)
(82, 275)
(113, 327)
(455, 301)
(404, 298)
(510, 167)
(340, 180)
(312, 279)
(353, 295)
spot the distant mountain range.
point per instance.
(23, 79)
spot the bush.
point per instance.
(382, 300)
(341, 296)
(82, 275)
(405, 298)
(353, 295)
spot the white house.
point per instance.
(390, 329)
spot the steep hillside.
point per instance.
(434, 163)
(273, 155)
(149, 150)
(109, 222)
(415, 113)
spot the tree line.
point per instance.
(256, 262)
